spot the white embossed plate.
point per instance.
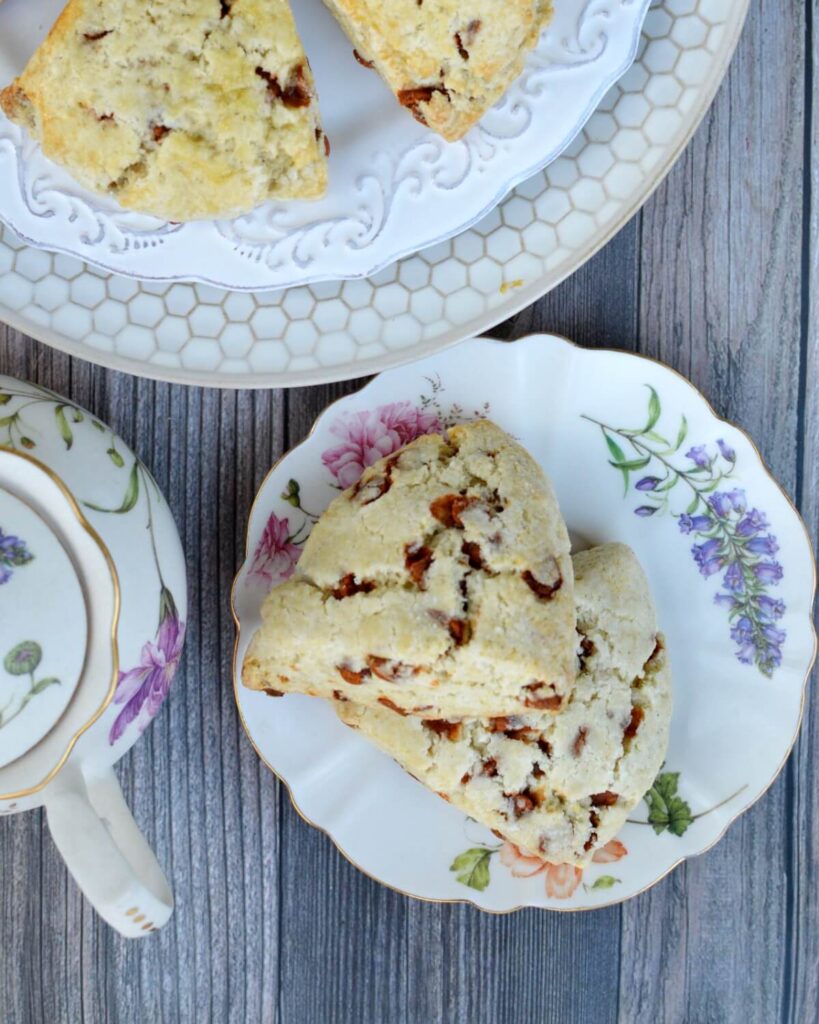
(730, 567)
(395, 187)
(543, 231)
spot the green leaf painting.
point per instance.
(472, 867)
(667, 811)
(24, 660)
(604, 882)
(130, 497)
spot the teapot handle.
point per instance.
(106, 853)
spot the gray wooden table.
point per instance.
(719, 277)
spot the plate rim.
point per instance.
(517, 299)
(812, 631)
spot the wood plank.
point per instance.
(803, 852)
(721, 302)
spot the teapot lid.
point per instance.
(59, 600)
(43, 627)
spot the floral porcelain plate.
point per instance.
(636, 455)
(395, 186)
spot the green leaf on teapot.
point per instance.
(116, 458)
(5, 399)
(23, 659)
(43, 684)
(130, 498)
(62, 425)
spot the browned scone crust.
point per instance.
(184, 110)
(447, 62)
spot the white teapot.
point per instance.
(93, 607)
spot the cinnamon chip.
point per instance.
(352, 677)
(545, 591)
(587, 649)
(659, 647)
(389, 671)
(460, 631)
(452, 730)
(294, 93)
(273, 693)
(605, 799)
(393, 707)
(489, 767)
(580, 740)
(524, 734)
(550, 702)
(375, 487)
(417, 559)
(412, 98)
(473, 554)
(467, 38)
(523, 802)
(637, 715)
(347, 586)
(449, 508)
(364, 63)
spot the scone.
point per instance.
(197, 108)
(558, 786)
(439, 585)
(446, 62)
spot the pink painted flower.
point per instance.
(275, 556)
(608, 854)
(561, 879)
(142, 689)
(368, 436)
(522, 865)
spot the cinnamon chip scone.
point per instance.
(439, 585)
(446, 62)
(558, 786)
(197, 108)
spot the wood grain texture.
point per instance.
(719, 276)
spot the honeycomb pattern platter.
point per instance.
(540, 234)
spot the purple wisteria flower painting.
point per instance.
(13, 554)
(732, 540)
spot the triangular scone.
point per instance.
(557, 786)
(184, 110)
(446, 62)
(440, 584)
